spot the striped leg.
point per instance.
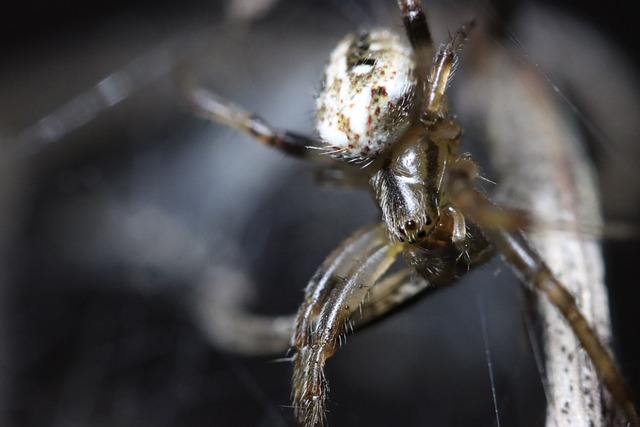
(335, 292)
(213, 107)
(349, 291)
(527, 264)
(415, 24)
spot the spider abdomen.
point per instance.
(368, 95)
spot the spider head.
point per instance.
(407, 189)
(409, 209)
(368, 95)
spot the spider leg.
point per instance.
(415, 24)
(438, 268)
(220, 306)
(436, 75)
(528, 264)
(335, 292)
(443, 68)
(213, 107)
(388, 295)
(348, 291)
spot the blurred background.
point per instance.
(116, 203)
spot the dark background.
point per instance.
(28, 25)
(106, 228)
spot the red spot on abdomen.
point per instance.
(379, 91)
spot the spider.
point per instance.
(383, 122)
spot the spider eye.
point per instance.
(414, 230)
